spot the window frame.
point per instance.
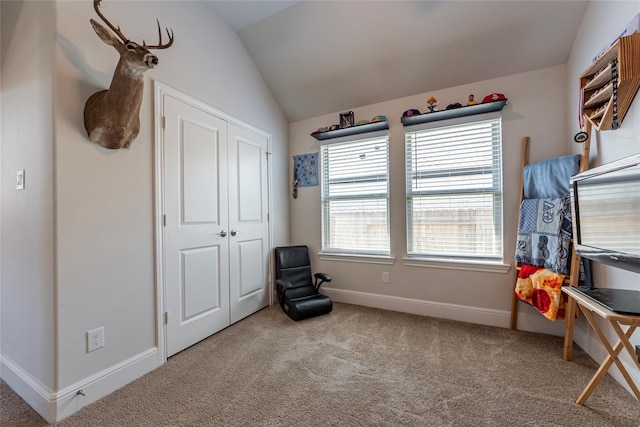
(351, 254)
(491, 261)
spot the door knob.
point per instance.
(234, 232)
(222, 233)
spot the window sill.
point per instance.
(366, 259)
(468, 265)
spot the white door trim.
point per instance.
(160, 90)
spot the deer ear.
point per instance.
(104, 34)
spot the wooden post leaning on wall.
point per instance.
(516, 265)
(574, 274)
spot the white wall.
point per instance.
(602, 23)
(537, 109)
(82, 236)
(27, 311)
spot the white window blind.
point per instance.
(454, 190)
(355, 196)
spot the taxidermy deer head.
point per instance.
(111, 117)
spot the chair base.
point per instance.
(304, 308)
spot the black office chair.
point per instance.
(297, 294)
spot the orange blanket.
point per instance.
(542, 289)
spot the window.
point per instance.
(355, 197)
(454, 190)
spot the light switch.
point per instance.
(20, 180)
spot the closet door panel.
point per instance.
(250, 251)
(200, 150)
(196, 251)
(248, 222)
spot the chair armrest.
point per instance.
(281, 288)
(284, 283)
(321, 278)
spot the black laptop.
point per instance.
(622, 301)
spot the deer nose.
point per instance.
(150, 60)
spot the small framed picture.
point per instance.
(347, 119)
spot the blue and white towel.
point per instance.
(544, 233)
(550, 178)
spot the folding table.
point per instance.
(589, 307)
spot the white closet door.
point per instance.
(248, 222)
(196, 257)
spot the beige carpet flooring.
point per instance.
(358, 366)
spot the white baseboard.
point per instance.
(36, 394)
(480, 316)
(55, 406)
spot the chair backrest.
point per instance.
(293, 265)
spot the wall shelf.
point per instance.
(469, 110)
(596, 83)
(353, 130)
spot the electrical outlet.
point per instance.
(95, 339)
(385, 277)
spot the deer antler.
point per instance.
(96, 5)
(125, 39)
(160, 46)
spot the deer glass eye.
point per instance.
(131, 47)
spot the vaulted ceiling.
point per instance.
(319, 57)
